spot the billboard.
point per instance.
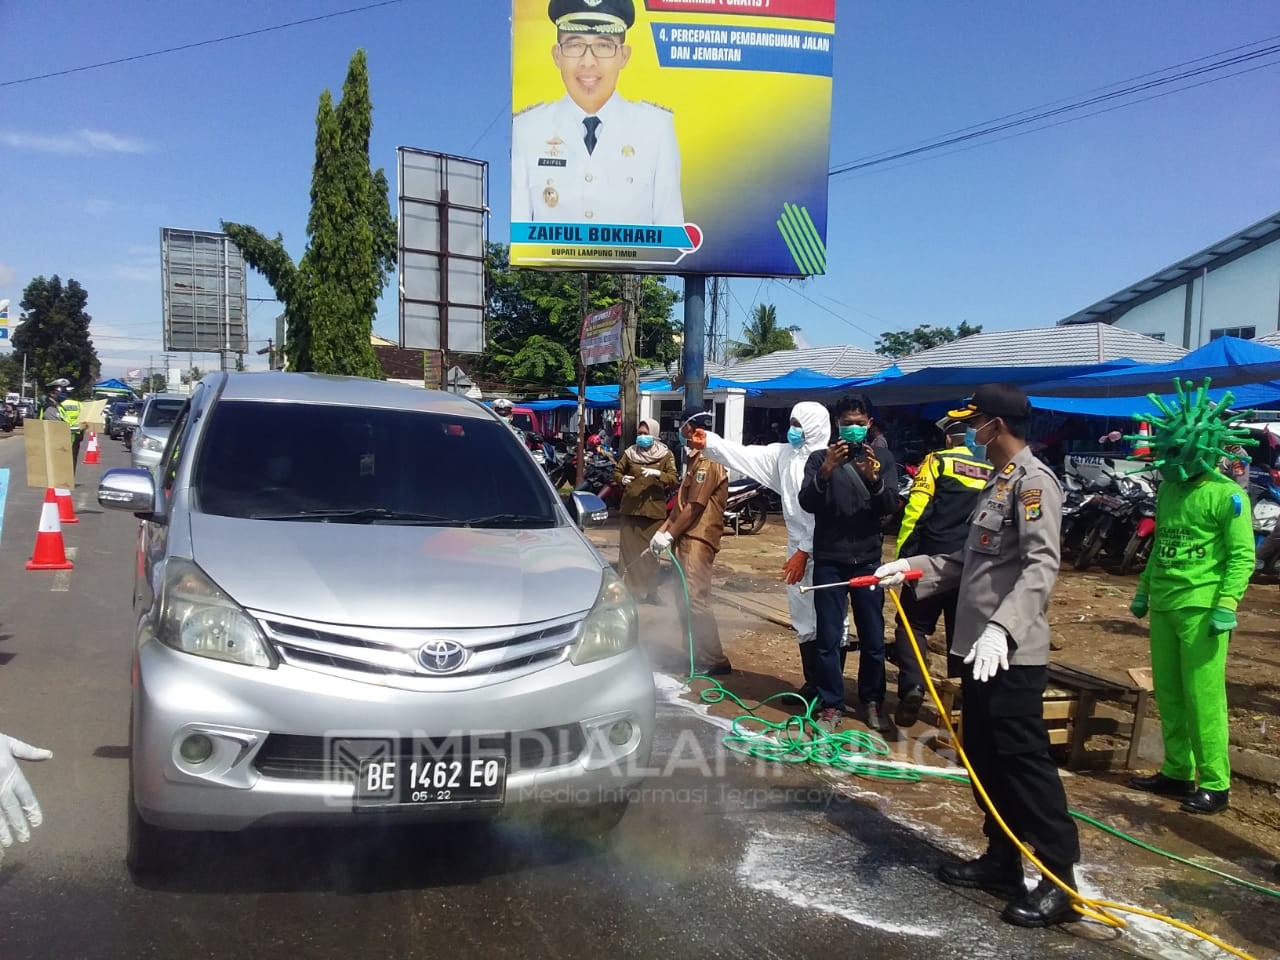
(4, 319)
(203, 291)
(671, 136)
(602, 335)
(441, 245)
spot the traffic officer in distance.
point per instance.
(936, 521)
(593, 156)
(1005, 574)
(58, 405)
(695, 526)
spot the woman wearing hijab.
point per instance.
(644, 472)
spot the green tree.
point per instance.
(903, 343)
(534, 320)
(331, 294)
(10, 372)
(762, 335)
(53, 333)
(156, 383)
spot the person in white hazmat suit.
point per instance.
(780, 467)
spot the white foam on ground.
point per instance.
(672, 692)
(817, 873)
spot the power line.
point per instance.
(201, 43)
(1002, 124)
(843, 319)
(1054, 103)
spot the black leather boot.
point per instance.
(997, 871)
(1206, 801)
(1165, 786)
(1044, 906)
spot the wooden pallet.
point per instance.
(1070, 713)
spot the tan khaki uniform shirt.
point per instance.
(707, 483)
(1009, 563)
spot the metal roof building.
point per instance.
(830, 361)
(1044, 346)
(1231, 288)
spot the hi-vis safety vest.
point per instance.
(945, 492)
(71, 413)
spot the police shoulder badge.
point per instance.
(1031, 504)
(700, 477)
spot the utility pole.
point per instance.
(695, 339)
(629, 388)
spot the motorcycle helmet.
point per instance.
(502, 406)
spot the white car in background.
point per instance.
(154, 425)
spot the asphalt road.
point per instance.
(717, 859)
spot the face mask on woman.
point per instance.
(644, 441)
(795, 437)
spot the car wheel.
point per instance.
(148, 849)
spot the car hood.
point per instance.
(379, 575)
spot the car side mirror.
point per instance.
(129, 489)
(588, 510)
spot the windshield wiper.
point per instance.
(365, 515)
(508, 520)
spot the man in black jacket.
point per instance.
(845, 489)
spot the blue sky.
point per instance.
(1012, 234)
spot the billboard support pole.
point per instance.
(582, 394)
(695, 339)
(444, 288)
(629, 388)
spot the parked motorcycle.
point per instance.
(1114, 520)
(747, 509)
(1138, 550)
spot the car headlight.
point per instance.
(152, 444)
(612, 627)
(196, 617)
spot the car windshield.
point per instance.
(162, 413)
(322, 463)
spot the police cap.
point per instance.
(995, 400)
(60, 382)
(592, 16)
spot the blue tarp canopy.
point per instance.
(803, 381)
(567, 404)
(952, 383)
(112, 386)
(1259, 396)
(1227, 361)
(609, 391)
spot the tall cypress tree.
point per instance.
(331, 294)
(53, 333)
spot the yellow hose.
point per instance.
(1091, 909)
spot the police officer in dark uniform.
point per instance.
(695, 526)
(936, 521)
(1006, 573)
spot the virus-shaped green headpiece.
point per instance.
(1192, 436)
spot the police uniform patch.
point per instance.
(1031, 504)
(1008, 470)
(700, 477)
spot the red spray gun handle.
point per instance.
(868, 581)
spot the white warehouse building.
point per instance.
(1229, 289)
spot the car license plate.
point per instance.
(427, 780)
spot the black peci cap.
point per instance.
(697, 416)
(592, 16)
(995, 400)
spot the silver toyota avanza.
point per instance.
(360, 600)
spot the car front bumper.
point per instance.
(566, 711)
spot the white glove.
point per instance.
(661, 542)
(18, 805)
(990, 654)
(652, 472)
(626, 481)
(893, 573)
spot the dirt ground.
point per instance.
(1092, 629)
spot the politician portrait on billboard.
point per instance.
(671, 135)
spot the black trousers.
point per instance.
(923, 615)
(1008, 745)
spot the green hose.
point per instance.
(799, 739)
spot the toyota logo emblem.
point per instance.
(442, 656)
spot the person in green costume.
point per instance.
(1200, 565)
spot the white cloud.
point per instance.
(7, 275)
(96, 207)
(136, 272)
(74, 142)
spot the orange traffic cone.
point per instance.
(1141, 449)
(66, 509)
(49, 553)
(91, 451)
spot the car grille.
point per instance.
(390, 657)
(291, 757)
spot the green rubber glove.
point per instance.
(1223, 620)
(1140, 605)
